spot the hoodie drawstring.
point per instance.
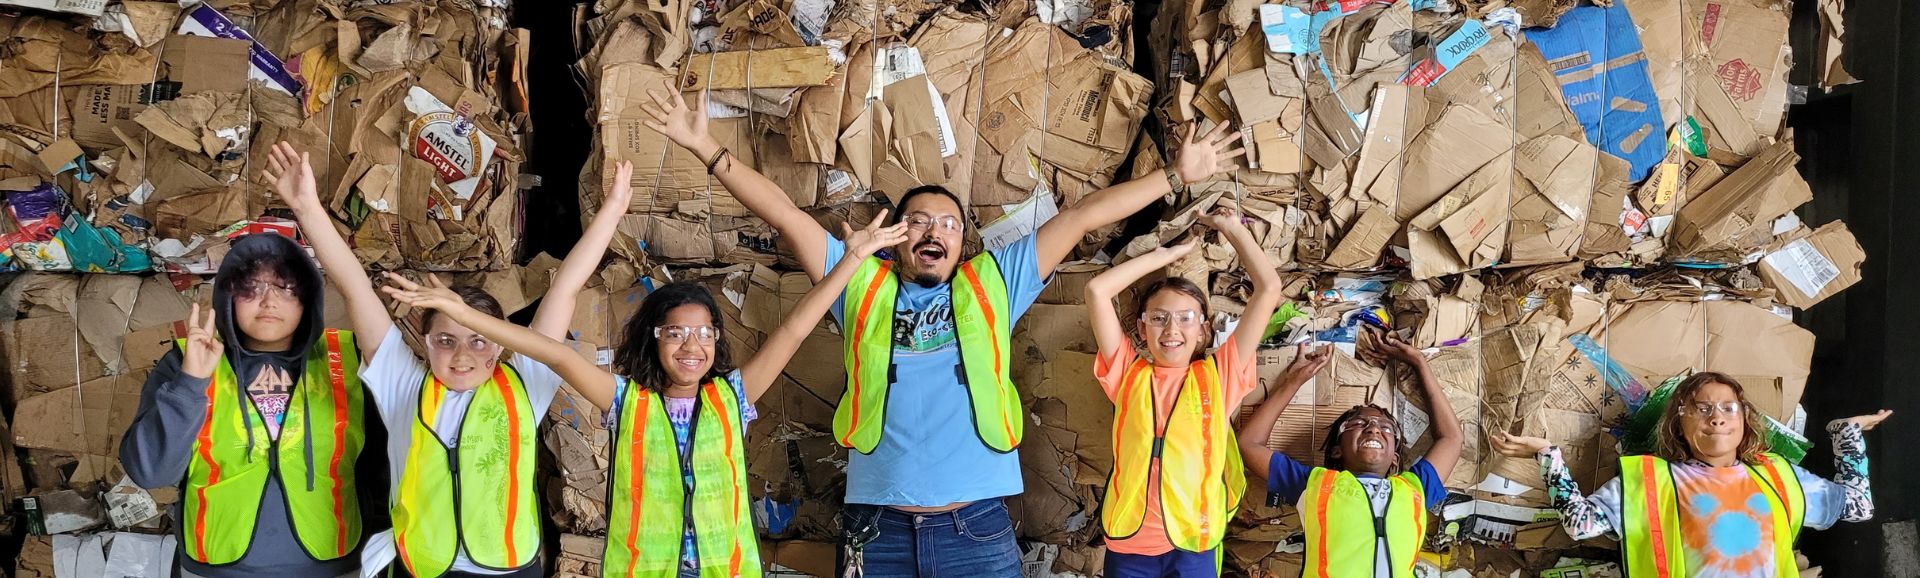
(245, 401)
(306, 429)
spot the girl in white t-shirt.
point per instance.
(677, 493)
(441, 526)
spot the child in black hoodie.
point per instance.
(261, 428)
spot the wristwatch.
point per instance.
(1173, 180)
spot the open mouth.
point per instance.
(691, 364)
(930, 252)
(1172, 343)
(1373, 445)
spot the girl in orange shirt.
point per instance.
(1172, 437)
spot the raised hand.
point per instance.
(292, 176)
(670, 115)
(1872, 420)
(1514, 446)
(1203, 156)
(872, 237)
(621, 197)
(1223, 219)
(432, 295)
(1170, 255)
(1306, 363)
(1383, 345)
(203, 351)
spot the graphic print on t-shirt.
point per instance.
(925, 330)
(270, 389)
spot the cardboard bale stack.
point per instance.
(135, 130)
(836, 102)
(1545, 230)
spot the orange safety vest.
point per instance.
(1201, 476)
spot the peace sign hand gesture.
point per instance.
(202, 352)
(873, 237)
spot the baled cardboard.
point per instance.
(198, 64)
(1741, 205)
(1551, 198)
(88, 418)
(1809, 269)
(1746, 44)
(1659, 339)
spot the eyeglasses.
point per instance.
(678, 334)
(1382, 424)
(1705, 409)
(919, 221)
(1182, 318)
(252, 289)
(445, 342)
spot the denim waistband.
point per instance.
(947, 518)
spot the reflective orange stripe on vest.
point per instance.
(986, 308)
(205, 443)
(727, 431)
(1126, 388)
(513, 457)
(1779, 488)
(1206, 444)
(1320, 512)
(859, 329)
(637, 445)
(1652, 493)
(337, 380)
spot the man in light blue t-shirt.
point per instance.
(926, 501)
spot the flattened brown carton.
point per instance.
(1807, 270)
(1746, 42)
(1741, 204)
(1551, 199)
(1659, 339)
(670, 172)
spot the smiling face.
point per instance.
(1714, 438)
(1174, 326)
(686, 356)
(267, 310)
(936, 227)
(1368, 442)
(461, 359)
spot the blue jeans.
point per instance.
(975, 540)
(1177, 564)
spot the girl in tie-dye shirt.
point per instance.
(1709, 436)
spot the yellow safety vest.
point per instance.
(234, 457)
(1342, 531)
(982, 327)
(496, 516)
(1651, 518)
(648, 504)
(1201, 476)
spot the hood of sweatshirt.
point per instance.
(271, 248)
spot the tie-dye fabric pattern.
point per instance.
(1726, 523)
(1848, 497)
